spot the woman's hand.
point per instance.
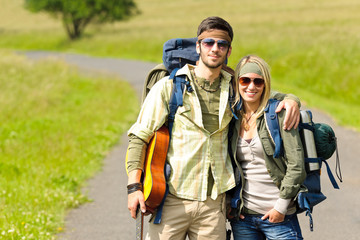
(274, 216)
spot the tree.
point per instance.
(77, 14)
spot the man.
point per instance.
(201, 170)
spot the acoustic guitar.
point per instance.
(154, 182)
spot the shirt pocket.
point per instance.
(185, 114)
(267, 145)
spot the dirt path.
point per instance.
(107, 217)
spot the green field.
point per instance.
(56, 128)
(312, 46)
(48, 149)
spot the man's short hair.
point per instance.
(215, 23)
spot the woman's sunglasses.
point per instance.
(209, 43)
(245, 81)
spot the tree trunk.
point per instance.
(74, 27)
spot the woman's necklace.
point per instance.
(246, 124)
(203, 87)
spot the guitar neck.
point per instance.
(139, 225)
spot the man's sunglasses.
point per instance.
(245, 81)
(209, 43)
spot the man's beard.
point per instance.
(214, 65)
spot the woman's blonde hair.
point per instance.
(265, 70)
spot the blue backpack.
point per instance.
(319, 143)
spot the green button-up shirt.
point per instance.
(193, 150)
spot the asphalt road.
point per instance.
(107, 217)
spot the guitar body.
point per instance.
(154, 175)
(154, 182)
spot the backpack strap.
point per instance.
(337, 166)
(272, 123)
(331, 176)
(320, 161)
(167, 171)
(176, 100)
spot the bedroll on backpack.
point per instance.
(319, 143)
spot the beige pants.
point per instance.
(197, 220)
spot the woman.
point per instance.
(269, 184)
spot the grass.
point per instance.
(56, 128)
(312, 46)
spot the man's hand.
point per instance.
(134, 199)
(292, 116)
(137, 197)
(274, 216)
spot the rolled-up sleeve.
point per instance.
(282, 96)
(152, 116)
(154, 111)
(135, 155)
